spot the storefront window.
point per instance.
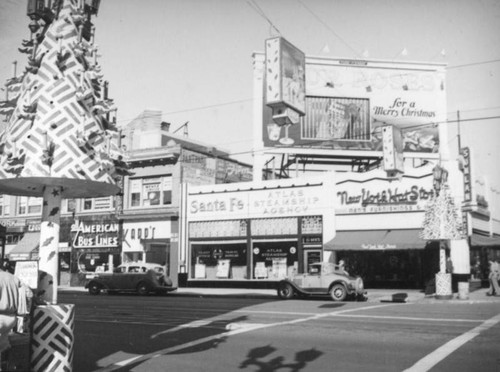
(132, 257)
(226, 260)
(390, 268)
(274, 260)
(90, 262)
(151, 191)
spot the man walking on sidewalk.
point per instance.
(493, 277)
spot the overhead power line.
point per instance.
(253, 4)
(329, 28)
(473, 64)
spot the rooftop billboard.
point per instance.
(348, 102)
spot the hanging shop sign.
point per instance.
(381, 195)
(465, 153)
(393, 160)
(95, 234)
(474, 188)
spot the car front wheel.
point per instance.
(338, 292)
(94, 289)
(142, 289)
(285, 291)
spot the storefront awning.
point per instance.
(377, 240)
(23, 249)
(484, 241)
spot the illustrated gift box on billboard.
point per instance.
(285, 85)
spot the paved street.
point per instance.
(230, 333)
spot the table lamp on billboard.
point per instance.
(285, 87)
(392, 140)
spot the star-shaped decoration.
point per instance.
(55, 192)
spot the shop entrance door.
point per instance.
(160, 254)
(311, 256)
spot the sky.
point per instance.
(192, 59)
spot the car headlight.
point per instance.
(359, 284)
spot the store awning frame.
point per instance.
(478, 240)
(378, 240)
(26, 246)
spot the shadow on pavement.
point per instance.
(262, 358)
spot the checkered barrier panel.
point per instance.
(53, 338)
(443, 284)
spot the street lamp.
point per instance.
(92, 6)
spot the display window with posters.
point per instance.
(274, 260)
(219, 260)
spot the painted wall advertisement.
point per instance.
(199, 169)
(348, 102)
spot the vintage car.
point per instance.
(143, 278)
(323, 278)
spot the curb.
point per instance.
(375, 296)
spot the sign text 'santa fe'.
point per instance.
(234, 204)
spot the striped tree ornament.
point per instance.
(53, 338)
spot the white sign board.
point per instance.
(27, 272)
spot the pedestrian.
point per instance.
(9, 304)
(449, 265)
(493, 277)
(342, 267)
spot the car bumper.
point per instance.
(165, 289)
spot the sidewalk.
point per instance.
(374, 295)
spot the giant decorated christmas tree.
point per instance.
(59, 143)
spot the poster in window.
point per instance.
(260, 270)
(200, 271)
(152, 194)
(279, 268)
(223, 269)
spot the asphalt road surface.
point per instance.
(180, 333)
